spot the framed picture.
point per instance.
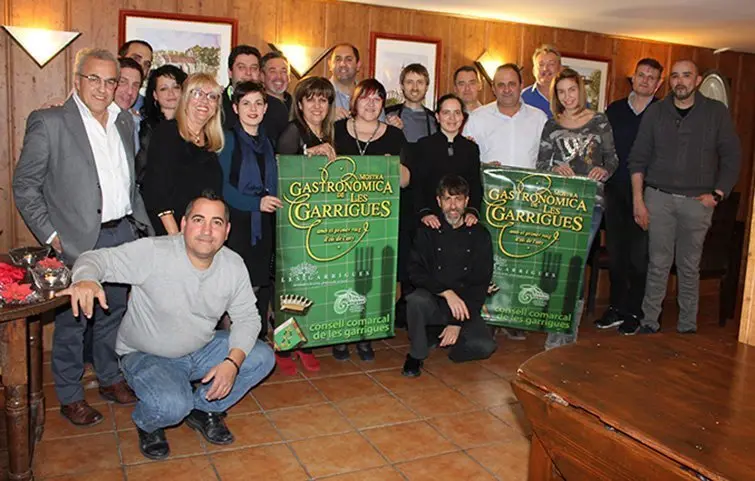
(390, 53)
(192, 42)
(595, 72)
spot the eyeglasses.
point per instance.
(210, 96)
(110, 83)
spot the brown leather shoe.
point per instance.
(81, 413)
(118, 393)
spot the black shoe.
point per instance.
(153, 445)
(609, 319)
(647, 330)
(211, 426)
(412, 367)
(629, 325)
(341, 352)
(365, 352)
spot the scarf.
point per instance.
(250, 178)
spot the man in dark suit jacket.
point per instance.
(243, 66)
(74, 187)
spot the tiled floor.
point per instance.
(352, 421)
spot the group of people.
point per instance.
(173, 196)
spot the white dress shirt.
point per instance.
(513, 141)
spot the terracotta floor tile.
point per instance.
(380, 474)
(454, 374)
(508, 461)
(332, 367)
(438, 356)
(400, 339)
(309, 421)
(394, 381)
(389, 359)
(183, 442)
(340, 388)
(452, 467)
(534, 341)
(506, 363)
(488, 393)
(122, 416)
(92, 396)
(277, 376)
(336, 454)
(404, 442)
(473, 429)
(249, 430)
(375, 411)
(75, 455)
(436, 401)
(58, 426)
(288, 394)
(104, 475)
(195, 468)
(273, 463)
(246, 405)
(513, 415)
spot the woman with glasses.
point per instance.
(364, 134)
(182, 160)
(310, 131)
(160, 103)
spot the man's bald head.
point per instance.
(686, 65)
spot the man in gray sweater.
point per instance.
(180, 286)
(684, 161)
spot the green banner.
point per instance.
(540, 227)
(336, 250)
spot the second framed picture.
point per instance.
(390, 53)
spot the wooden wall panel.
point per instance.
(572, 41)
(348, 22)
(7, 211)
(467, 43)
(439, 27)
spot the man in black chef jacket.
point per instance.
(451, 268)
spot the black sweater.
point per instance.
(431, 161)
(625, 124)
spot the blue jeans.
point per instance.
(163, 385)
(555, 339)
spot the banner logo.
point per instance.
(530, 293)
(349, 300)
(304, 271)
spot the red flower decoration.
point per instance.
(10, 274)
(50, 263)
(16, 292)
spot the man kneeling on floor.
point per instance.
(451, 268)
(181, 286)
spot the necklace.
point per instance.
(367, 144)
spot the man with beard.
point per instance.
(411, 116)
(243, 66)
(345, 64)
(451, 268)
(275, 72)
(684, 162)
(546, 63)
(468, 85)
(627, 243)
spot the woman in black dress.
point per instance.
(364, 134)
(310, 131)
(446, 152)
(160, 102)
(182, 159)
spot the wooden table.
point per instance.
(658, 407)
(21, 358)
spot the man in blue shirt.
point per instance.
(345, 64)
(546, 63)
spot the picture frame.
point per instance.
(390, 53)
(192, 42)
(596, 71)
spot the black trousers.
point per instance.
(425, 309)
(627, 246)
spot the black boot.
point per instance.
(153, 445)
(412, 367)
(341, 352)
(210, 425)
(365, 352)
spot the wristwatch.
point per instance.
(717, 197)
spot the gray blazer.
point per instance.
(55, 183)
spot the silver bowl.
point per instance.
(48, 281)
(28, 256)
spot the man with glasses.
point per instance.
(74, 187)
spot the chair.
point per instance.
(722, 255)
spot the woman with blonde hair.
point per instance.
(182, 160)
(310, 131)
(577, 141)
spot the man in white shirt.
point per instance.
(74, 187)
(507, 131)
(468, 85)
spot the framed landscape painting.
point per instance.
(389, 53)
(191, 42)
(595, 72)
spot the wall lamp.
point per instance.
(41, 44)
(301, 59)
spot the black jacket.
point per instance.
(458, 259)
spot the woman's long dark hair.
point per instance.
(151, 111)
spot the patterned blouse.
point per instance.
(582, 148)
